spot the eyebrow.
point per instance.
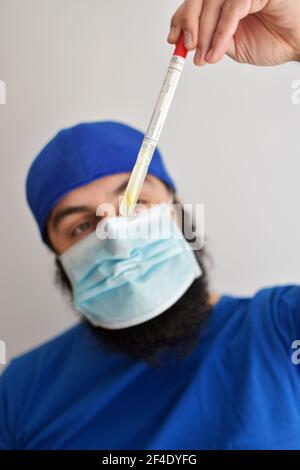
(67, 211)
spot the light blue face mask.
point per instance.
(140, 267)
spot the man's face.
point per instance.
(176, 329)
(74, 217)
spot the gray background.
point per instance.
(231, 141)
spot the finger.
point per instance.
(186, 19)
(231, 49)
(207, 24)
(258, 5)
(175, 26)
(231, 13)
(190, 22)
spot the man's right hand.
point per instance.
(259, 32)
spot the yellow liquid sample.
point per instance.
(137, 178)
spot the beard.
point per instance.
(171, 336)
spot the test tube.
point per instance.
(151, 138)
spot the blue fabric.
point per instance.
(238, 390)
(80, 154)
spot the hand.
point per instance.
(259, 32)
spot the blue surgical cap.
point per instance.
(81, 154)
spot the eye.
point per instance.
(81, 228)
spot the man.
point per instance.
(157, 362)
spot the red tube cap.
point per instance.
(180, 49)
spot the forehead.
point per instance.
(105, 189)
(100, 188)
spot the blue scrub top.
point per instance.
(239, 389)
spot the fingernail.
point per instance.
(209, 54)
(172, 33)
(197, 58)
(188, 39)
